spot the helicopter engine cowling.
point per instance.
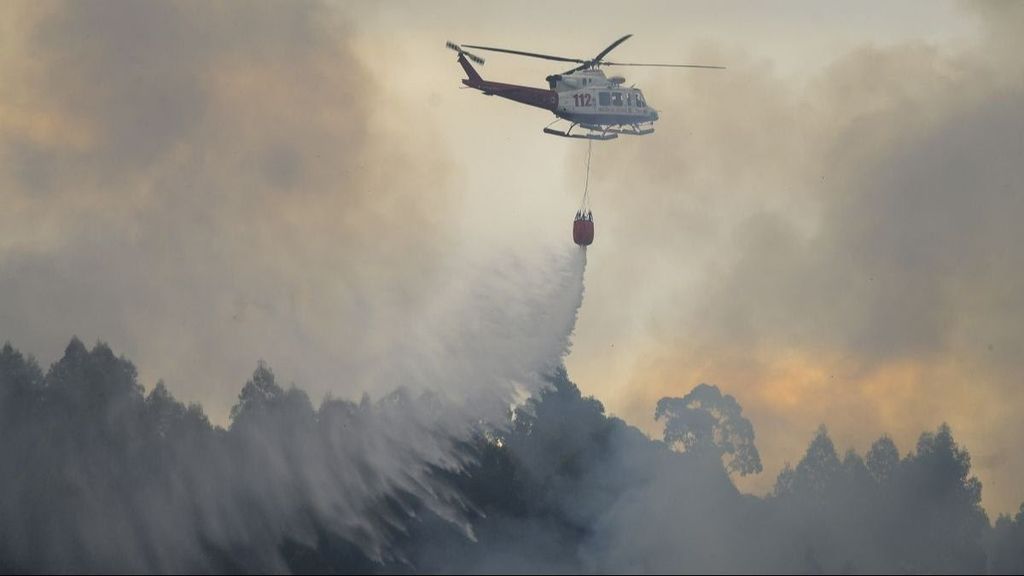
(570, 83)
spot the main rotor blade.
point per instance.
(663, 65)
(530, 54)
(603, 53)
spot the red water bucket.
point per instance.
(583, 230)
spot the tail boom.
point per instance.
(537, 97)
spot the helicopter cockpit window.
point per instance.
(640, 100)
(616, 98)
(604, 98)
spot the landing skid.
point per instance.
(633, 130)
(595, 133)
(586, 136)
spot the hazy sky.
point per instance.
(826, 230)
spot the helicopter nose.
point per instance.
(654, 115)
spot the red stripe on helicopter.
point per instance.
(539, 97)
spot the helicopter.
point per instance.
(583, 96)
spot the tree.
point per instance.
(18, 376)
(166, 416)
(940, 506)
(258, 393)
(1006, 548)
(883, 460)
(819, 469)
(706, 422)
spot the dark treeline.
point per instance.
(100, 476)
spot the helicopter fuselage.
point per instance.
(589, 97)
(586, 97)
(611, 106)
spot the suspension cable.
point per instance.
(585, 203)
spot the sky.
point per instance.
(826, 230)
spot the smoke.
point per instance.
(136, 482)
(203, 185)
(494, 331)
(209, 184)
(835, 249)
(569, 489)
(200, 184)
(439, 475)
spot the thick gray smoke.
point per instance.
(202, 184)
(842, 245)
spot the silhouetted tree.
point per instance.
(883, 460)
(257, 395)
(706, 422)
(1006, 545)
(819, 470)
(941, 507)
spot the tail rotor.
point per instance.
(470, 55)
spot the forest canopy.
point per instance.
(101, 475)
